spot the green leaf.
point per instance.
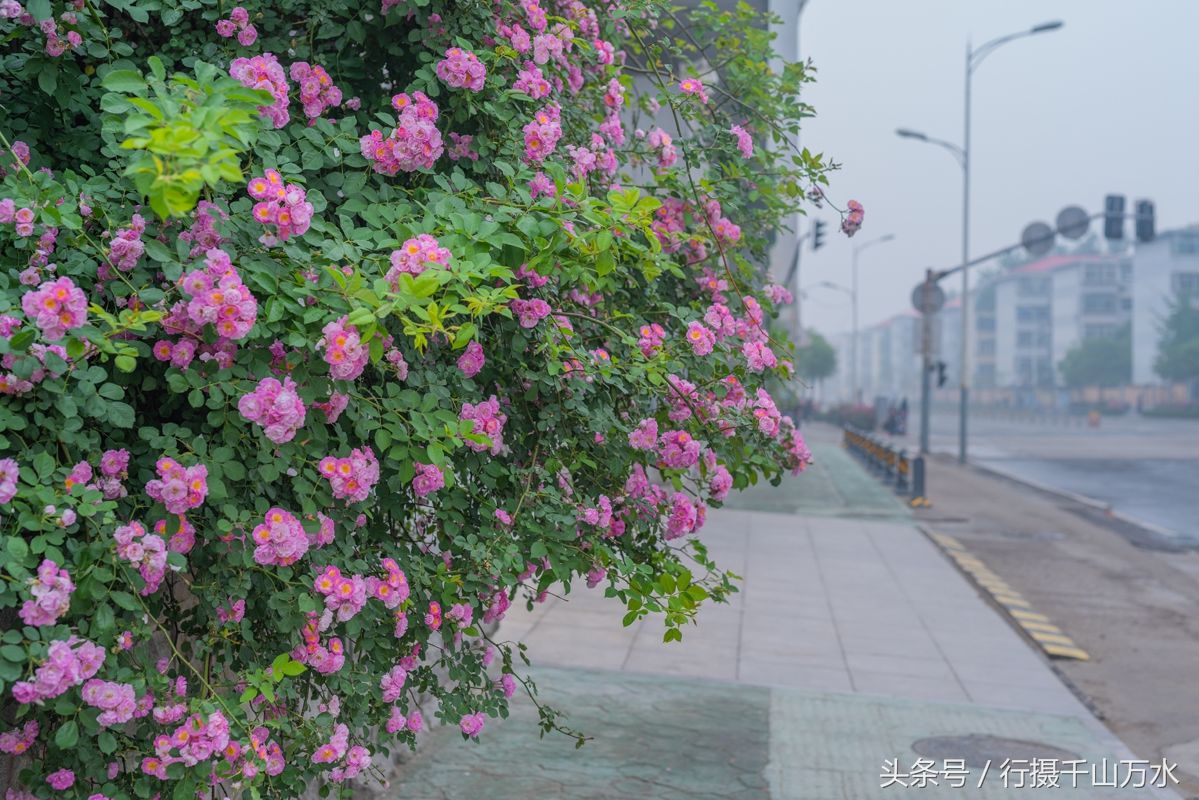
(125, 363)
(125, 600)
(17, 547)
(104, 619)
(123, 80)
(67, 736)
(156, 67)
(40, 9)
(47, 80)
(107, 742)
(13, 653)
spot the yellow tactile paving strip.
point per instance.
(1038, 627)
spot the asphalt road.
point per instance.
(1146, 469)
(1133, 607)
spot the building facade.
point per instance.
(1164, 268)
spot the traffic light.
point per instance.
(817, 235)
(1145, 221)
(941, 377)
(1113, 216)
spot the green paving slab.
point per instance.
(835, 485)
(833, 746)
(665, 738)
(654, 737)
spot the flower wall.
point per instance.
(328, 332)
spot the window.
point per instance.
(1032, 313)
(1185, 244)
(1024, 339)
(1042, 338)
(1185, 283)
(984, 375)
(1099, 275)
(1098, 304)
(1024, 370)
(986, 347)
(1101, 330)
(985, 324)
(1032, 287)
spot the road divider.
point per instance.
(891, 465)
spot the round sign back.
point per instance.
(936, 298)
(1037, 238)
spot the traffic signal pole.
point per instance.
(926, 360)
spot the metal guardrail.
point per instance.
(891, 465)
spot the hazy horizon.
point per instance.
(1061, 118)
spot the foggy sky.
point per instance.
(1108, 103)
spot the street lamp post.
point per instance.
(855, 388)
(974, 57)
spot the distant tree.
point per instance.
(816, 360)
(1099, 361)
(1178, 345)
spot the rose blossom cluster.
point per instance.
(276, 407)
(345, 595)
(239, 23)
(356, 758)
(650, 339)
(126, 246)
(695, 88)
(177, 487)
(10, 473)
(353, 477)
(218, 298)
(51, 590)
(116, 701)
(532, 82)
(460, 147)
(472, 359)
(265, 72)
(414, 144)
(428, 479)
(530, 312)
(317, 92)
(279, 539)
(461, 69)
(325, 659)
(68, 663)
(198, 739)
(853, 219)
(392, 590)
(282, 205)
(21, 219)
(56, 307)
(486, 420)
(542, 134)
(415, 256)
(344, 352)
(146, 551)
(744, 143)
(19, 740)
(701, 338)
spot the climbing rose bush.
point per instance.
(329, 332)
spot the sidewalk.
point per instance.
(852, 640)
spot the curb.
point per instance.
(1035, 626)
